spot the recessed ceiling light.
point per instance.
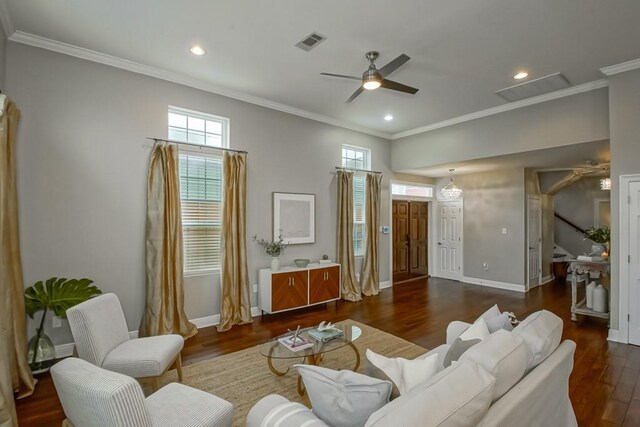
(197, 50)
(388, 117)
(521, 75)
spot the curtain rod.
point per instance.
(357, 170)
(195, 145)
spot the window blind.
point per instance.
(201, 199)
(359, 231)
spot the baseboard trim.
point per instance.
(548, 279)
(66, 350)
(494, 284)
(614, 335)
(386, 284)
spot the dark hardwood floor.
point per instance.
(604, 385)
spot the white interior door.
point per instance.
(634, 262)
(449, 242)
(534, 241)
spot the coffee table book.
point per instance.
(300, 343)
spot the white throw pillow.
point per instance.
(406, 374)
(343, 398)
(458, 396)
(542, 331)
(496, 320)
(504, 355)
(477, 331)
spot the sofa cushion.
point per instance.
(457, 349)
(343, 398)
(458, 396)
(405, 373)
(478, 330)
(496, 320)
(504, 355)
(542, 332)
(290, 414)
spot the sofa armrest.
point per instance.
(275, 410)
(455, 329)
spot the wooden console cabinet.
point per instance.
(292, 287)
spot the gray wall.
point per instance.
(83, 159)
(493, 200)
(576, 203)
(3, 58)
(571, 120)
(624, 105)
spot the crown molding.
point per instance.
(621, 68)
(586, 87)
(5, 19)
(101, 58)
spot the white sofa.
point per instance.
(539, 398)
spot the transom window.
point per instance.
(357, 158)
(198, 128)
(200, 187)
(412, 190)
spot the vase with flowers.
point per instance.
(601, 236)
(273, 249)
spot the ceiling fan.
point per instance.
(374, 78)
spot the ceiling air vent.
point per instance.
(311, 41)
(534, 87)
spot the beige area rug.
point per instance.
(243, 377)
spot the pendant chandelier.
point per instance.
(605, 184)
(450, 192)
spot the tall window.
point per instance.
(200, 187)
(357, 158)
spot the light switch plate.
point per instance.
(384, 229)
(56, 322)
(504, 230)
(255, 288)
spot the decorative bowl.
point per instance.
(302, 263)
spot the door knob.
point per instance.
(439, 243)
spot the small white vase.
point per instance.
(275, 263)
(600, 299)
(590, 288)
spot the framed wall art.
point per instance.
(294, 217)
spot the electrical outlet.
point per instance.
(485, 266)
(504, 230)
(255, 288)
(56, 322)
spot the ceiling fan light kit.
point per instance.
(374, 78)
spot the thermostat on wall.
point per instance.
(384, 229)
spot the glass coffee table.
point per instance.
(311, 355)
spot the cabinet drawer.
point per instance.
(324, 284)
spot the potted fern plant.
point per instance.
(57, 295)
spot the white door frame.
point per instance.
(434, 260)
(623, 264)
(539, 199)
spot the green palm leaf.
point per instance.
(58, 295)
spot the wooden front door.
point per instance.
(418, 239)
(410, 239)
(400, 223)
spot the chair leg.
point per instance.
(179, 367)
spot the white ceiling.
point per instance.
(568, 157)
(462, 51)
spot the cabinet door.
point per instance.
(288, 290)
(324, 284)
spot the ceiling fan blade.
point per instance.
(342, 76)
(393, 65)
(389, 84)
(355, 94)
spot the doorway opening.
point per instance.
(410, 253)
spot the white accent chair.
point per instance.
(94, 397)
(102, 338)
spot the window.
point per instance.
(198, 128)
(410, 190)
(357, 158)
(200, 187)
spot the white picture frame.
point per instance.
(294, 217)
